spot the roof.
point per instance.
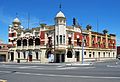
(16, 20)
(60, 14)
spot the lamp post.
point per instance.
(82, 48)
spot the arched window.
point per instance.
(30, 42)
(69, 40)
(37, 57)
(37, 41)
(69, 54)
(18, 42)
(24, 42)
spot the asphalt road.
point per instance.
(99, 72)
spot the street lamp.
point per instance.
(82, 47)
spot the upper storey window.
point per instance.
(69, 41)
(60, 39)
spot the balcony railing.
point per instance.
(37, 47)
(70, 46)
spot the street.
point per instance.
(108, 71)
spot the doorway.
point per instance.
(30, 57)
(77, 56)
(12, 56)
(57, 58)
(63, 58)
(60, 58)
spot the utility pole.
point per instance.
(54, 43)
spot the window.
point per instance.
(84, 53)
(60, 39)
(18, 54)
(104, 54)
(12, 34)
(84, 42)
(113, 54)
(24, 42)
(18, 42)
(64, 39)
(57, 39)
(37, 55)
(109, 54)
(9, 40)
(24, 55)
(98, 54)
(30, 42)
(69, 40)
(93, 54)
(37, 41)
(69, 54)
(50, 41)
(90, 54)
(78, 41)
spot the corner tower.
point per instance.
(60, 28)
(16, 23)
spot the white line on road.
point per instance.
(115, 66)
(57, 75)
(74, 68)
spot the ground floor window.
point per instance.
(109, 54)
(18, 54)
(84, 53)
(113, 54)
(93, 54)
(69, 54)
(104, 54)
(24, 55)
(37, 55)
(89, 55)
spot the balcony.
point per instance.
(37, 47)
(70, 46)
(24, 47)
(18, 47)
(30, 47)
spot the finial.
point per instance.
(16, 15)
(60, 7)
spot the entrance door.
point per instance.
(77, 56)
(12, 56)
(63, 58)
(30, 57)
(57, 58)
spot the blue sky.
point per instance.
(86, 11)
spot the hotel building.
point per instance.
(59, 42)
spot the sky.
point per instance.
(100, 14)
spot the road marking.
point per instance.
(74, 68)
(68, 76)
(57, 75)
(115, 66)
(44, 67)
